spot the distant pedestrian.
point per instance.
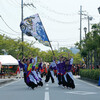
(18, 72)
(77, 70)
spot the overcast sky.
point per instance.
(60, 18)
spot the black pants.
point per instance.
(48, 77)
(40, 83)
(43, 74)
(30, 84)
(59, 79)
(70, 82)
(64, 83)
(25, 77)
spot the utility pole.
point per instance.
(89, 57)
(88, 51)
(80, 24)
(88, 24)
(31, 4)
(22, 32)
(89, 19)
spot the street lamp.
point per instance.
(99, 10)
(85, 30)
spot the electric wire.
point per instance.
(8, 32)
(11, 34)
(53, 11)
(8, 25)
(58, 21)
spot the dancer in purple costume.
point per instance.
(51, 69)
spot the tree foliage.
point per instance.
(14, 47)
(91, 44)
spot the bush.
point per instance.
(90, 73)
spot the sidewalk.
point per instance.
(6, 80)
(76, 76)
(95, 82)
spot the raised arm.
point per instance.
(54, 58)
(40, 59)
(34, 61)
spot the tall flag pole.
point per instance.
(48, 39)
(32, 26)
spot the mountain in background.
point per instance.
(74, 50)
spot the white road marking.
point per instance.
(89, 84)
(9, 83)
(46, 88)
(47, 84)
(46, 96)
(82, 92)
(77, 84)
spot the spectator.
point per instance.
(18, 72)
(77, 70)
(97, 66)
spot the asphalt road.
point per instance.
(18, 90)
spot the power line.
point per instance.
(12, 3)
(48, 17)
(17, 2)
(8, 25)
(8, 35)
(58, 21)
(13, 35)
(52, 19)
(53, 11)
(7, 32)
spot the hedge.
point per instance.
(90, 73)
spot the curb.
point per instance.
(89, 80)
(6, 81)
(99, 81)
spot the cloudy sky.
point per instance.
(60, 18)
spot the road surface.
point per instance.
(18, 90)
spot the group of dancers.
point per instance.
(32, 74)
(64, 74)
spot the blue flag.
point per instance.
(32, 26)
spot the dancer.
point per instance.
(69, 75)
(23, 66)
(43, 70)
(35, 72)
(59, 70)
(51, 69)
(30, 78)
(40, 67)
(63, 72)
